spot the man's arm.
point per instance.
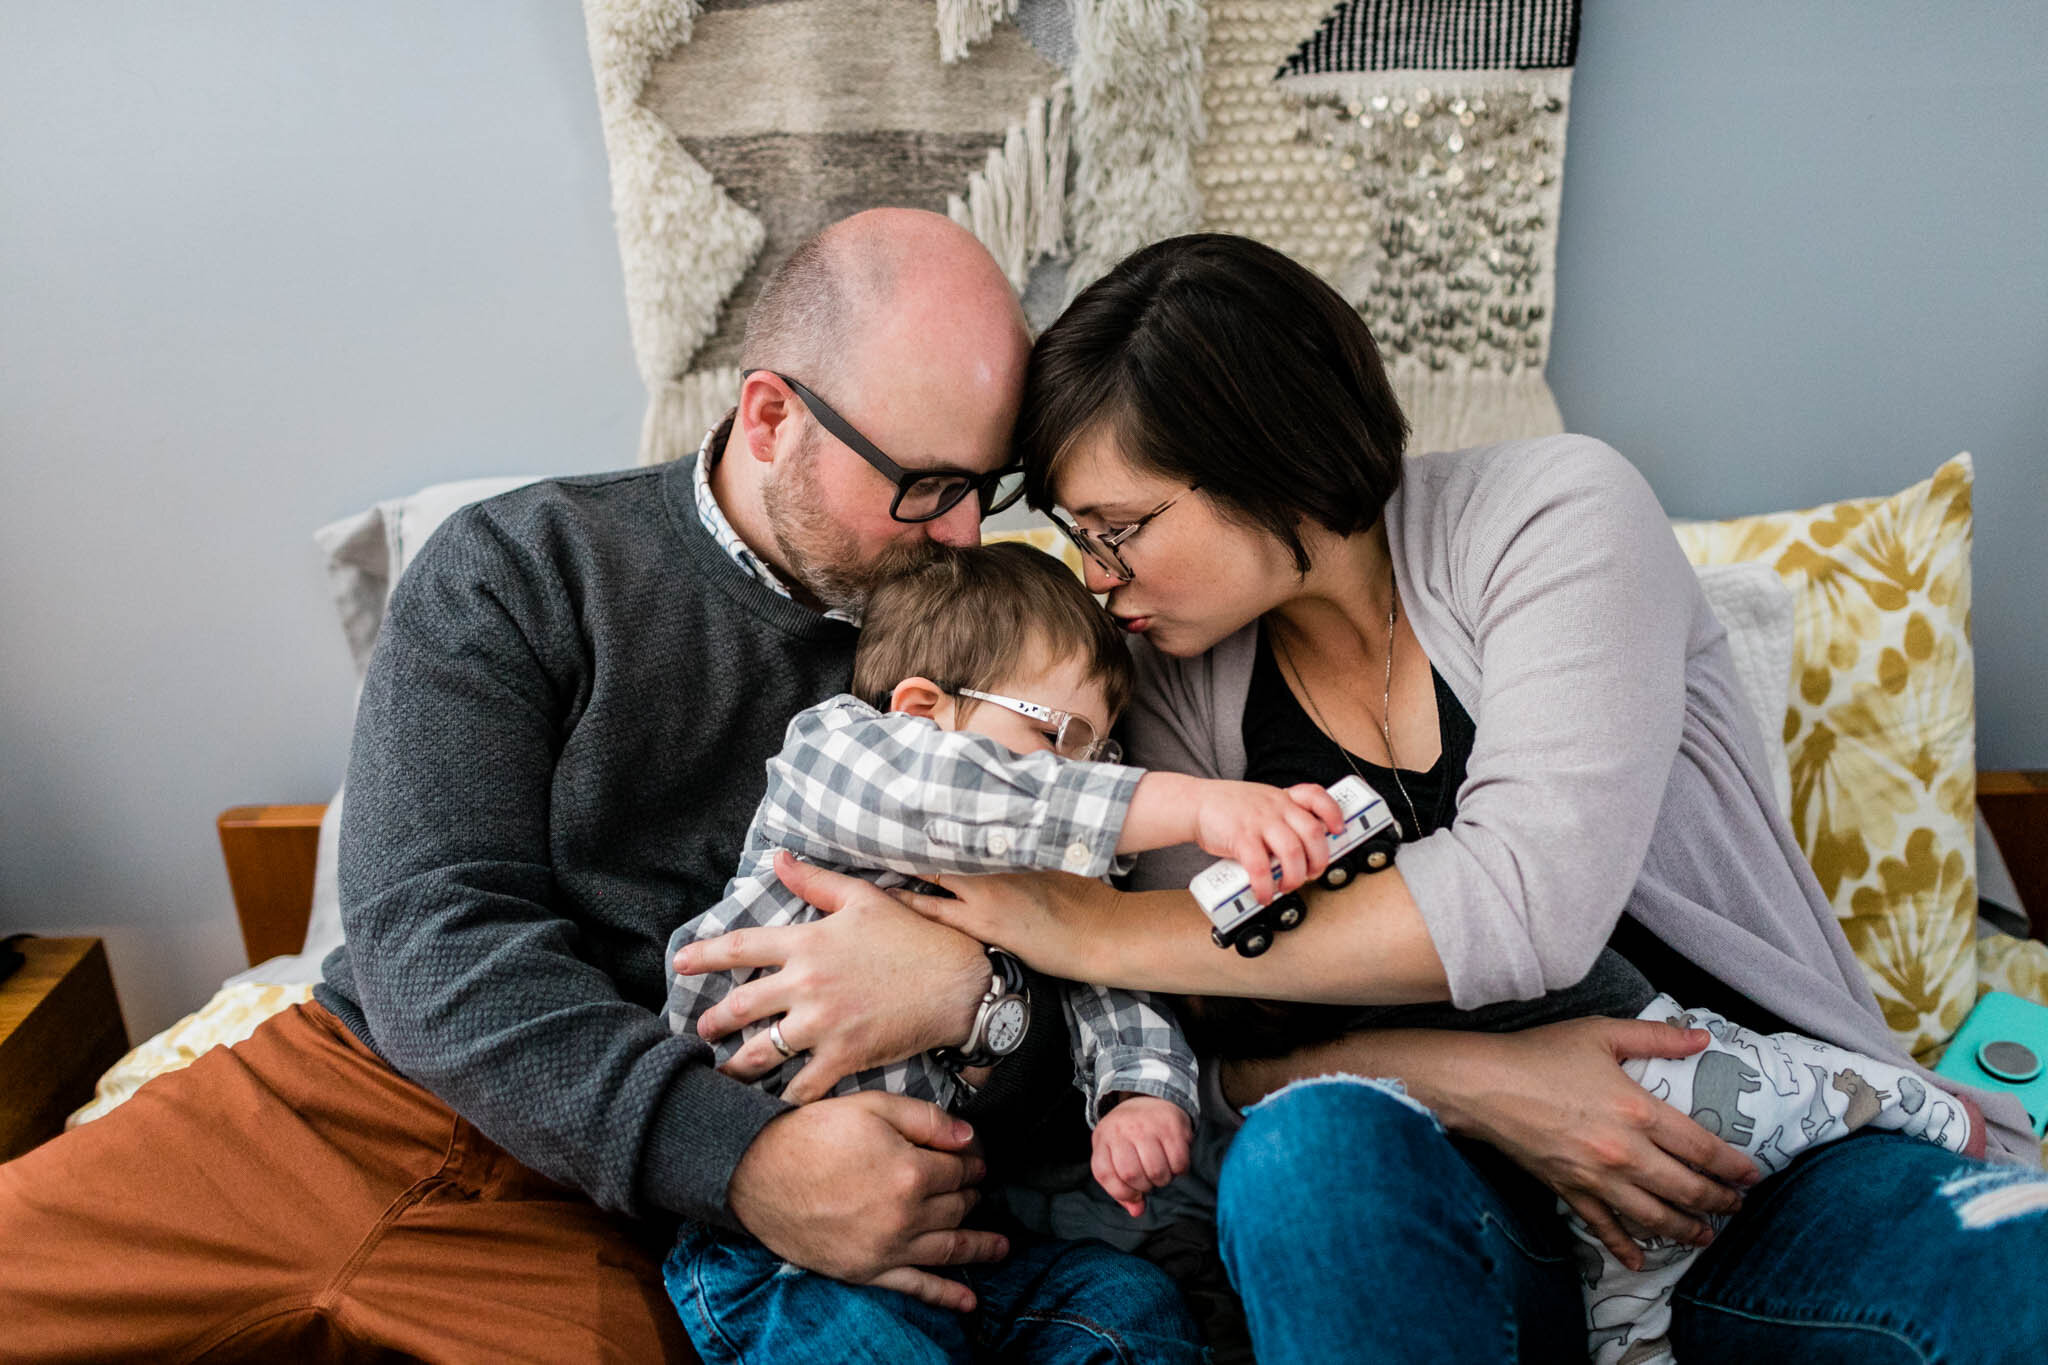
(470, 980)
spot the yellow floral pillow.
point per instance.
(1880, 727)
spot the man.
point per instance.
(475, 1141)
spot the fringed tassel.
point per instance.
(1017, 204)
(1137, 77)
(963, 23)
(1454, 409)
(680, 412)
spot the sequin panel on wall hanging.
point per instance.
(1445, 120)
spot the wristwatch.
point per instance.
(1002, 1018)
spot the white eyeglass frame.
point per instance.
(1104, 750)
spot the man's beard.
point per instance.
(819, 555)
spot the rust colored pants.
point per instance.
(293, 1198)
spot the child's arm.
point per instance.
(854, 785)
(1129, 1043)
(1257, 824)
(1142, 1086)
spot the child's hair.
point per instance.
(970, 618)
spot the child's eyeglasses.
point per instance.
(1073, 736)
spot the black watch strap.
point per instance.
(1006, 965)
(1006, 977)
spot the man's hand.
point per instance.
(871, 983)
(1140, 1146)
(866, 1188)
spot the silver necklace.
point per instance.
(1386, 708)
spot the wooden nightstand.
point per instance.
(60, 1027)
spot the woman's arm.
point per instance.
(1582, 610)
(1365, 944)
(1557, 1102)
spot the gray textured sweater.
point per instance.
(1616, 767)
(560, 743)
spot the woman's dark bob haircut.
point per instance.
(1215, 360)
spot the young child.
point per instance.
(1772, 1095)
(987, 682)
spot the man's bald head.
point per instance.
(872, 283)
(902, 322)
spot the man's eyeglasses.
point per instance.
(1073, 736)
(1106, 549)
(921, 494)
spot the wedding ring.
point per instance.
(781, 1043)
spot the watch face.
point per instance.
(1006, 1026)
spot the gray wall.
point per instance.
(1802, 258)
(263, 264)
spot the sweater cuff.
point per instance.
(695, 1139)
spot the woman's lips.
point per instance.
(1136, 625)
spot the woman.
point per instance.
(1508, 644)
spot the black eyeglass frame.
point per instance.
(984, 486)
(1106, 550)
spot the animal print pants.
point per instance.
(1772, 1095)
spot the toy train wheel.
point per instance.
(1290, 915)
(1336, 875)
(1255, 942)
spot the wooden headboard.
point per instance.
(270, 852)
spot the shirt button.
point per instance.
(999, 843)
(1078, 856)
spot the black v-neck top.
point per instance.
(1283, 745)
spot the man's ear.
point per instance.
(767, 415)
(922, 697)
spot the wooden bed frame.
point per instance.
(270, 852)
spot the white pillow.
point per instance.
(1757, 606)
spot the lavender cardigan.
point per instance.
(1616, 768)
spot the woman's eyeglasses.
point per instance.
(1106, 549)
(1073, 736)
(921, 494)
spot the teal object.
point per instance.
(2003, 1045)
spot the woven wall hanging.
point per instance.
(1409, 152)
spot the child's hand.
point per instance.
(1260, 825)
(1140, 1145)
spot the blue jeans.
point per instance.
(1070, 1303)
(1356, 1229)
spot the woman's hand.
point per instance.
(1054, 921)
(871, 983)
(1556, 1100)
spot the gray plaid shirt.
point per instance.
(890, 797)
